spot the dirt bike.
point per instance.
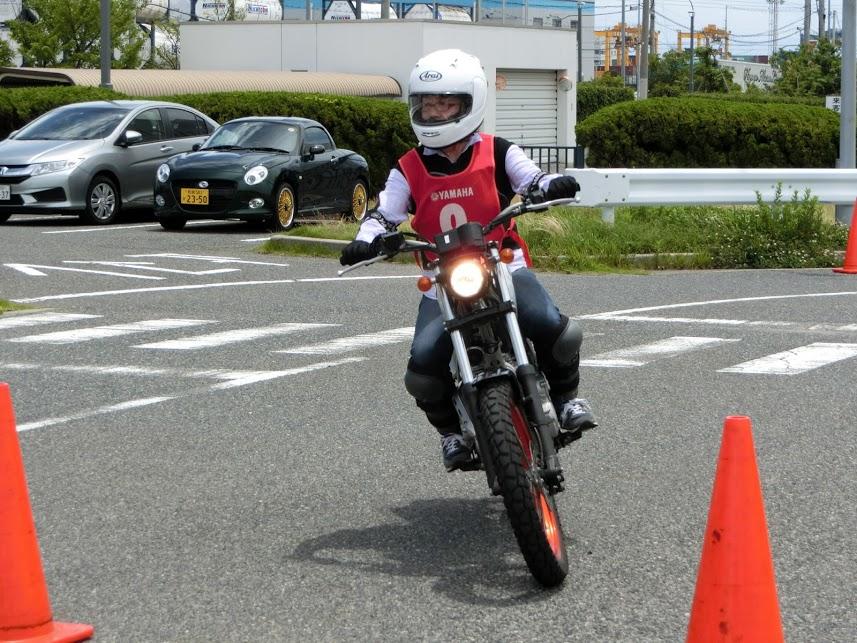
(502, 398)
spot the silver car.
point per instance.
(94, 159)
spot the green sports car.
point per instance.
(268, 169)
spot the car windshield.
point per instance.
(259, 135)
(75, 123)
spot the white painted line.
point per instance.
(345, 344)
(17, 321)
(104, 228)
(141, 265)
(211, 259)
(113, 408)
(256, 240)
(114, 330)
(674, 320)
(230, 284)
(230, 336)
(242, 378)
(645, 353)
(36, 271)
(797, 360)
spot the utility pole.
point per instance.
(643, 87)
(623, 43)
(692, 44)
(807, 14)
(106, 45)
(579, 42)
(821, 19)
(848, 91)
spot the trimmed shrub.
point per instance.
(700, 132)
(20, 105)
(592, 96)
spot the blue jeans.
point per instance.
(540, 321)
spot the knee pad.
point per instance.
(426, 388)
(567, 345)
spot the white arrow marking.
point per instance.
(31, 269)
(147, 265)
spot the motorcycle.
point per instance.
(502, 398)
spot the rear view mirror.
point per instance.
(316, 149)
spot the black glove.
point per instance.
(561, 187)
(358, 251)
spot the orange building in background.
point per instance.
(608, 51)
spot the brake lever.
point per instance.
(360, 264)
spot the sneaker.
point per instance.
(455, 451)
(575, 415)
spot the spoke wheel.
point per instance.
(359, 201)
(532, 511)
(102, 202)
(284, 213)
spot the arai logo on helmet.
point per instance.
(430, 76)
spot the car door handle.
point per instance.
(166, 148)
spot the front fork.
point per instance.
(527, 376)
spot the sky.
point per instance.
(748, 20)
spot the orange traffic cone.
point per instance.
(850, 265)
(736, 595)
(25, 612)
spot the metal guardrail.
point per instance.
(554, 159)
(609, 188)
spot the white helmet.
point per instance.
(447, 72)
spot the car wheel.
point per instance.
(4, 216)
(173, 223)
(284, 209)
(359, 201)
(102, 201)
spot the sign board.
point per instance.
(834, 103)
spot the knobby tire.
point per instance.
(531, 509)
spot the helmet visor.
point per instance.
(439, 109)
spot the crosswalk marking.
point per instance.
(345, 344)
(230, 336)
(19, 321)
(796, 360)
(113, 330)
(645, 353)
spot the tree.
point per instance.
(166, 54)
(67, 33)
(6, 53)
(813, 70)
(669, 75)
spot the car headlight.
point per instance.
(256, 175)
(163, 173)
(53, 166)
(467, 278)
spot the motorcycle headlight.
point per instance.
(53, 166)
(163, 173)
(467, 278)
(256, 175)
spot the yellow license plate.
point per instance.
(194, 196)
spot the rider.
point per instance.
(458, 174)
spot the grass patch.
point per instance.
(793, 233)
(7, 306)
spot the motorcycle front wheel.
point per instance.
(515, 454)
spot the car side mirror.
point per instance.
(312, 150)
(130, 137)
(195, 147)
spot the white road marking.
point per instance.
(113, 408)
(726, 322)
(345, 344)
(36, 271)
(645, 353)
(230, 336)
(17, 321)
(797, 360)
(147, 265)
(104, 228)
(211, 259)
(233, 379)
(230, 284)
(114, 330)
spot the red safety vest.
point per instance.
(445, 202)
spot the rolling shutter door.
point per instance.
(526, 106)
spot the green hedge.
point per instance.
(376, 128)
(700, 132)
(592, 96)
